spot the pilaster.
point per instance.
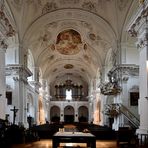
(139, 28)
(3, 47)
(19, 74)
(62, 115)
(36, 85)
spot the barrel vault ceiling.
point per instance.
(69, 37)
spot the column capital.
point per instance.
(17, 69)
(18, 72)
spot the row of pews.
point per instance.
(14, 134)
(101, 132)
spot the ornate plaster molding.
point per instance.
(48, 7)
(112, 110)
(51, 6)
(110, 88)
(143, 42)
(125, 70)
(3, 45)
(138, 20)
(36, 85)
(9, 31)
(116, 74)
(18, 72)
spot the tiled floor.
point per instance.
(48, 144)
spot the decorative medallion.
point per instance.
(92, 36)
(68, 42)
(68, 66)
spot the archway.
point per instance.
(55, 114)
(83, 114)
(30, 105)
(69, 114)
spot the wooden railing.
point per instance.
(129, 115)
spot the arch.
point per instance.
(55, 114)
(69, 114)
(30, 105)
(83, 114)
(124, 35)
(79, 14)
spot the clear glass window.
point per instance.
(68, 94)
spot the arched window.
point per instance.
(68, 94)
(30, 64)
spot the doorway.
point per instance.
(69, 114)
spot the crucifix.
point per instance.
(14, 110)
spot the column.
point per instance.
(36, 85)
(17, 101)
(76, 112)
(19, 86)
(139, 28)
(62, 115)
(91, 110)
(3, 101)
(36, 118)
(143, 79)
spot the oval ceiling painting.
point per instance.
(68, 66)
(68, 42)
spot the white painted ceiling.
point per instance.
(100, 23)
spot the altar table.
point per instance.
(74, 137)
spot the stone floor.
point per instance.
(48, 144)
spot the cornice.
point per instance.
(35, 83)
(125, 69)
(17, 69)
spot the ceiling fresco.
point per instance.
(68, 42)
(70, 36)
